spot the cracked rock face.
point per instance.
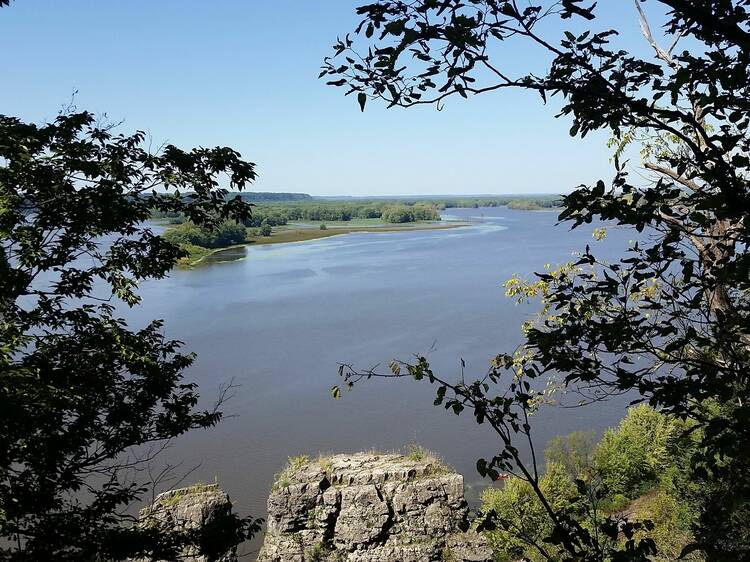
(370, 508)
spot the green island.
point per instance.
(279, 218)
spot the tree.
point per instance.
(524, 521)
(397, 214)
(85, 401)
(669, 320)
(265, 229)
(220, 235)
(600, 469)
(574, 452)
(634, 455)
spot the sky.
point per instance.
(244, 73)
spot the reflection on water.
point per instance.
(278, 322)
(230, 254)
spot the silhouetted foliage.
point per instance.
(85, 401)
(669, 320)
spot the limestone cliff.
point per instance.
(370, 508)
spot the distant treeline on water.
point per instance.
(257, 196)
(276, 209)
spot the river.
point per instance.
(278, 322)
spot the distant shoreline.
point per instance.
(307, 234)
(300, 220)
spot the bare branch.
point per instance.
(690, 184)
(646, 29)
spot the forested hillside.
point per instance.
(256, 196)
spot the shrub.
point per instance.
(671, 519)
(265, 229)
(637, 470)
(574, 452)
(631, 457)
(520, 517)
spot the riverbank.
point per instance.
(305, 232)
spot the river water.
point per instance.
(278, 322)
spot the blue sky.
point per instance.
(243, 73)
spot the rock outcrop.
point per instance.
(201, 511)
(370, 508)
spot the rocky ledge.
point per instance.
(370, 508)
(201, 510)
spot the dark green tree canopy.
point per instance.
(86, 402)
(670, 320)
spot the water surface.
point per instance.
(278, 322)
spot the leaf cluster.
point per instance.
(86, 402)
(668, 323)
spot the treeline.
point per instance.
(371, 208)
(314, 211)
(636, 470)
(256, 196)
(522, 201)
(514, 202)
(527, 205)
(390, 211)
(285, 209)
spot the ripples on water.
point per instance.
(279, 321)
